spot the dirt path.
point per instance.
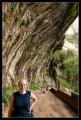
(48, 105)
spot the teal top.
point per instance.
(22, 105)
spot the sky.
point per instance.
(75, 26)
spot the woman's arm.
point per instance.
(10, 106)
(34, 100)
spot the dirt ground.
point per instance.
(49, 106)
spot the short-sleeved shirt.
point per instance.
(22, 104)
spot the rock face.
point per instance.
(30, 33)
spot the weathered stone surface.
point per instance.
(31, 31)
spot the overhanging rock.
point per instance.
(31, 31)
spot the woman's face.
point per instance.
(22, 86)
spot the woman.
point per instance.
(20, 101)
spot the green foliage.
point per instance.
(35, 85)
(74, 9)
(6, 92)
(70, 53)
(59, 56)
(23, 23)
(16, 19)
(70, 72)
(68, 66)
(12, 7)
(75, 87)
(63, 82)
(17, 16)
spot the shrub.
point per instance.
(6, 92)
(35, 85)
